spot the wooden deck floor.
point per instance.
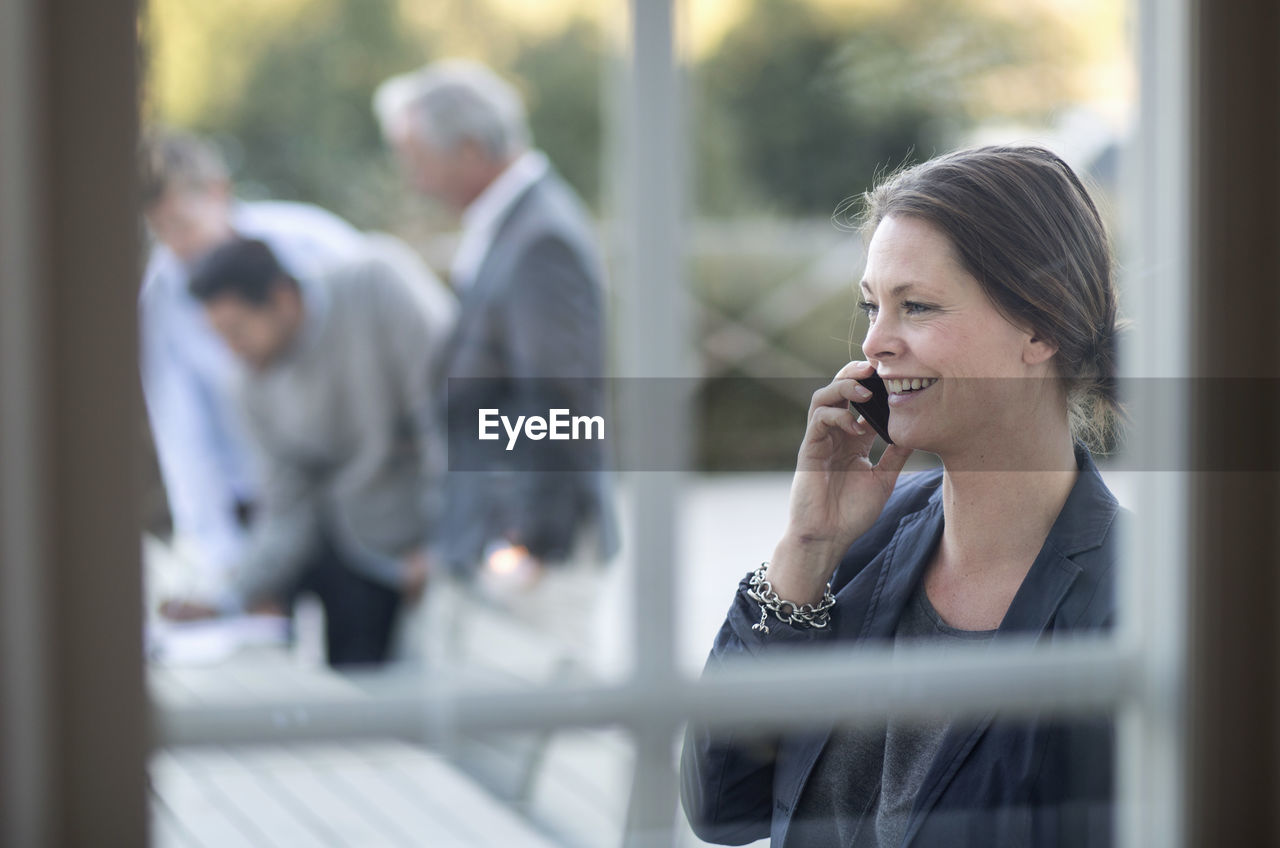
(358, 794)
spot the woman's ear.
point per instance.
(1038, 349)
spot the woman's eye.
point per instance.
(868, 309)
(912, 308)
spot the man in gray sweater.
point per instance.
(335, 395)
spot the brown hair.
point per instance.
(1024, 226)
(172, 159)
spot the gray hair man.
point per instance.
(530, 333)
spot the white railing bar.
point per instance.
(787, 692)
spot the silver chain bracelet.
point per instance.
(816, 615)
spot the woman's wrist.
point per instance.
(801, 567)
(814, 616)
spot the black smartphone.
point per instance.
(875, 409)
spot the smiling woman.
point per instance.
(931, 318)
(1019, 224)
(992, 316)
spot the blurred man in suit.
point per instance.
(530, 333)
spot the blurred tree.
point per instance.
(197, 54)
(807, 105)
(563, 89)
(288, 93)
(296, 118)
(305, 119)
(795, 107)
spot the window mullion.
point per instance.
(1087, 675)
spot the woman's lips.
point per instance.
(904, 391)
(905, 384)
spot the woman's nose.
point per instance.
(882, 340)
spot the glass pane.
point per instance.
(794, 108)
(287, 476)
(797, 110)
(312, 492)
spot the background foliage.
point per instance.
(794, 105)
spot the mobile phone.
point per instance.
(876, 408)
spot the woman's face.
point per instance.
(955, 367)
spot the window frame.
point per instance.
(1189, 721)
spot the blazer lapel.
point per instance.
(895, 571)
(1080, 526)
(1043, 589)
(901, 567)
(473, 296)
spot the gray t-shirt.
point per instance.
(864, 785)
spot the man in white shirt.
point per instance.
(187, 370)
(531, 331)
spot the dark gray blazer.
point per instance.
(529, 338)
(1041, 781)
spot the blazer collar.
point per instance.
(499, 234)
(1081, 525)
(471, 298)
(902, 566)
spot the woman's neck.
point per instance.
(996, 521)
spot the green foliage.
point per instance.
(303, 129)
(304, 123)
(563, 88)
(799, 109)
(795, 110)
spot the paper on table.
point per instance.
(213, 640)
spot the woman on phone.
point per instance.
(992, 320)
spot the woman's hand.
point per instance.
(836, 494)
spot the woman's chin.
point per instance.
(909, 437)
(916, 439)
